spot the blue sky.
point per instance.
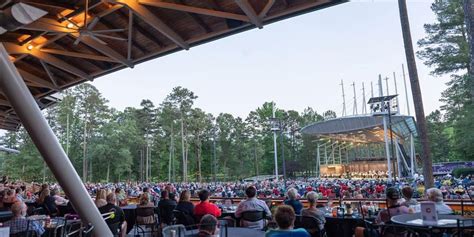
(297, 63)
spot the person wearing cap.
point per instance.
(393, 207)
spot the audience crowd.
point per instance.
(173, 200)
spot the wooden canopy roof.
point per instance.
(71, 45)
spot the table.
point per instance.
(408, 220)
(233, 232)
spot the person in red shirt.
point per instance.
(205, 207)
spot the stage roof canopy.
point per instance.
(361, 129)
(73, 43)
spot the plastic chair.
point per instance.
(178, 230)
(142, 214)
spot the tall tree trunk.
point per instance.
(108, 171)
(84, 152)
(198, 162)
(183, 150)
(416, 93)
(171, 154)
(469, 18)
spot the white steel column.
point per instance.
(397, 154)
(318, 161)
(326, 153)
(275, 145)
(385, 134)
(14, 88)
(412, 155)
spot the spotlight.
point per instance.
(70, 25)
(29, 47)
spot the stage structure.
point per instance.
(356, 144)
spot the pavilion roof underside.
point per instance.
(67, 47)
(361, 129)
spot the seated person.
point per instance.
(285, 219)
(47, 201)
(100, 197)
(118, 214)
(292, 201)
(166, 207)
(208, 226)
(186, 207)
(9, 198)
(58, 199)
(435, 195)
(407, 193)
(312, 210)
(121, 197)
(19, 223)
(144, 202)
(394, 208)
(252, 203)
(205, 207)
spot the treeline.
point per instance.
(446, 50)
(182, 142)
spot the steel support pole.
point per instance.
(326, 154)
(397, 154)
(387, 149)
(275, 146)
(14, 88)
(412, 155)
(318, 161)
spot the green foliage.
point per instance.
(445, 47)
(463, 171)
(108, 144)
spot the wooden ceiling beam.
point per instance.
(58, 63)
(104, 49)
(36, 79)
(197, 10)
(48, 25)
(198, 20)
(266, 9)
(150, 18)
(78, 55)
(50, 74)
(142, 31)
(250, 12)
(122, 34)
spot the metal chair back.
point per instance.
(253, 216)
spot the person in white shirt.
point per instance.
(435, 195)
(252, 204)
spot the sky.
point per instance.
(296, 63)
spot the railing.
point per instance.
(457, 205)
